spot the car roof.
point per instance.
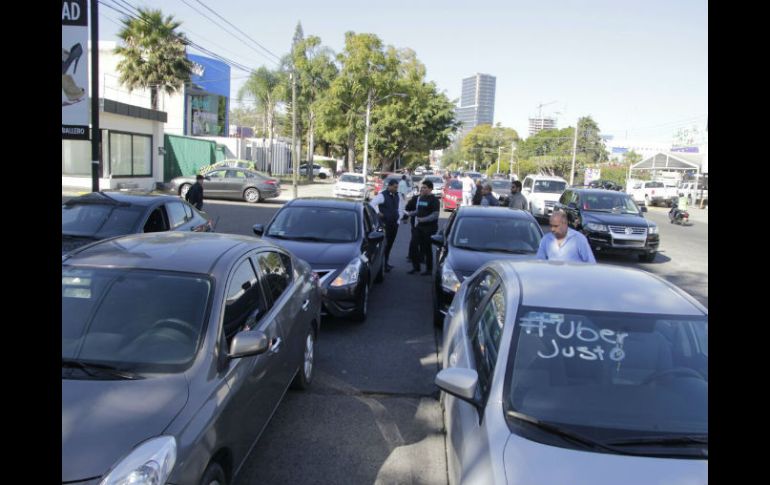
(192, 252)
(352, 173)
(595, 191)
(133, 198)
(595, 287)
(496, 211)
(331, 202)
(546, 177)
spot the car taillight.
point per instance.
(271, 182)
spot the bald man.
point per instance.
(564, 243)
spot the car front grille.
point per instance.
(550, 203)
(623, 230)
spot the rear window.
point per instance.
(356, 179)
(99, 220)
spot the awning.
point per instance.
(671, 161)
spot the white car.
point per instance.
(438, 184)
(318, 171)
(542, 193)
(351, 185)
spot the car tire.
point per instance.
(251, 195)
(183, 190)
(381, 273)
(214, 475)
(304, 376)
(647, 257)
(322, 176)
(362, 307)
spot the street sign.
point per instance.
(74, 70)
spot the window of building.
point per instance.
(130, 155)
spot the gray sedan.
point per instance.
(231, 183)
(176, 350)
(571, 373)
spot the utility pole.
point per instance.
(574, 153)
(366, 136)
(498, 159)
(510, 166)
(96, 134)
(294, 154)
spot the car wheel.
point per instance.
(183, 190)
(322, 176)
(381, 273)
(214, 475)
(647, 257)
(359, 314)
(305, 375)
(251, 195)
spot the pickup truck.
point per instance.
(653, 193)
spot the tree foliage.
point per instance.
(153, 53)
(482, 142)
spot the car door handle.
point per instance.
(306, 305)
(275, 345)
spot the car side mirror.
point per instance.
(437, 240)
(258, 229)
(644, 208)
(459, 382)
(247, 343)
(376, 236)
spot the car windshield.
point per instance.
(320, 224)
(503, 234)
(355, 179)
(549, 186)
(609, 202)
(102, 321)
(99, 221)
(654, 185)
(455, 184)
(618, 376)
(501, 185)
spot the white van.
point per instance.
(542, 193)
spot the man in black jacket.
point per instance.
(195, 195)
(425, 211)
(386, 204)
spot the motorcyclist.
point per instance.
(678, 207)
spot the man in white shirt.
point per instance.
(469, 189)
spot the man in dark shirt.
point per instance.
(386, 204)
(425, 211)
(517, 200)
(195, 195)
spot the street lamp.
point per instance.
(369, 104)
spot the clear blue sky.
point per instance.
(638, 67)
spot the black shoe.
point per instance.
(427, 272)
(413, 271)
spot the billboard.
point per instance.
(592, 174)
(74, 70)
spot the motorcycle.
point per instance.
(678, 216)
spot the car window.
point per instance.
(356, 179)
(485, 333)
(527, 183)
(503, 234)
(188, 211)
(275, 269)
(99, 221)
(549, 186)
(244, 305)
(368, 224)
(176, 214)
(477, 291)
(372, 215)
(455, 184)
(216, 174)
(158, 220)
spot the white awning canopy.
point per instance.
(671, 161)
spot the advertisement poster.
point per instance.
(75, 107)
(592, 174)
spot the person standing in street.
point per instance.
(425, 211)
(564, 243)
(403, 189)
(387, 205)
(477, 194)
(517, 199)
(195, 195)
(487, 199)
(468, 189)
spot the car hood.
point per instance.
(465, 262)
(102, 421)
(320, 255)
(616, 219)
(350, 185)
(527, 461)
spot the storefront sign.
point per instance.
(75, 109)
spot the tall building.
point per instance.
(477, 102)
(540, 124)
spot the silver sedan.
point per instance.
(569, 373)
(231, 183)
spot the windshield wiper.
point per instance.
(512, 251)
(90, 367)
(666, 440)
(562, 432)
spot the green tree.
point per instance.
(153, 54)
(482, 142)
(266, 88)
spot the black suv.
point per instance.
(611, 221)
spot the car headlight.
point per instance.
(652, 230)
(149, 463)
(449, 280)
(349, 275)
(591, 226)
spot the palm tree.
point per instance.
(153, 54)
(267, 88)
